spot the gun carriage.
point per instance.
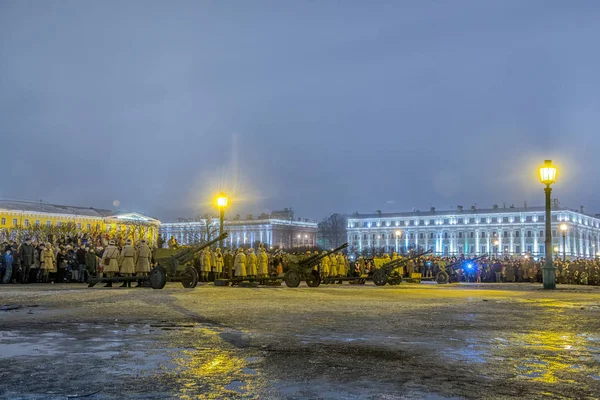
(448, 273)
(385, 274)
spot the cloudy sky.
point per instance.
(323, 105)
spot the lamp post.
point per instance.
(496, 244)
(398, 234)
(548, 177)
(221, 204)
(563, 229)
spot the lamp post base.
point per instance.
(549, 277)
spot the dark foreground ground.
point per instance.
(332, 342)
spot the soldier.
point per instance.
(263, 262)
(91, 262)
(48, 265)
(218, 270)
(333, 265)
(341, 264)
(251, 264)
(205, 264)
(127, 262)
(394, 256)
(143, 256)
(325, 266)
(240, 263)
(110, 261)
(228, 259)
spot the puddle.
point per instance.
(249, 371)
(24, 349)
(236, 386)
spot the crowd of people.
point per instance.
(71, 260)
(75, 260)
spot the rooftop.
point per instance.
(40, 207)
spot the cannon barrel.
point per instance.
(187, 255)
(315, 259)
(392, 265)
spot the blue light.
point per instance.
(469, 265)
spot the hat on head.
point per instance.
(111, 242)
(128, 241)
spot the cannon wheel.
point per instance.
(442, 278)
(292, 279)
(314, 279)
(380, 277)
(189, 278)
(158, 278)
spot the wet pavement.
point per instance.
(331, 342)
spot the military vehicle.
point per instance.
(172, 265)
(385, 274)
(303, 269)
(448, 273)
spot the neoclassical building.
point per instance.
(495, 231)
(272, 231)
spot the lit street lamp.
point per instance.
(398, 234)
(563, 229)
(496, 243)
(548, 177)
(221, 204)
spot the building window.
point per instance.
(505, 220)
(528, 218)
(445, 235)
(15, 222)
(364, 237)
(37, 222)
(59, 224)
(461, 220)
(494, 234)
(472, 235)
(517, 219)
(483, 235)
(48, 224)
(422, 222)
(26, 222)
(89, 227)
(97, 227)
(541, 218)
(3, 221)
(471, 220)
(460, 235)
(541, 233)
(446, 221)
(79, 225)
(365, 224)
(421, 236)
(518, 249)
(431, 235)
(431, 222)
(482, 220)
(494, 220)
(529, 234)
(517, 234)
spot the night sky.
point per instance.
(324, 106)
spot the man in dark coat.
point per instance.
(26, 256)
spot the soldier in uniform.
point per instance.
(218, 270)
(26, 254)
(263, 262)
(333, 265)
(251, 264)
(205, 264)
(143, 256)
(341, 264)
(228, 263)
(325, 266)
(240, 263)
(110, 261)
(127, 261)
(48, 265)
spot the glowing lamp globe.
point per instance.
(548, 173)
(222, 201)
(563, 227)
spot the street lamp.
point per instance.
(548, 177)
(398, 234)
(221, 204)
(496, 243)
(563, 229)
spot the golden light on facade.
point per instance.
(548, 173)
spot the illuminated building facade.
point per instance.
(496, 231)
(40, 220)
(273, 231)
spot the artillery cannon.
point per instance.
(448, 273)
(304, 269)
(167, 266)
(382, 275)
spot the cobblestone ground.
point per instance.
(331, 342)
